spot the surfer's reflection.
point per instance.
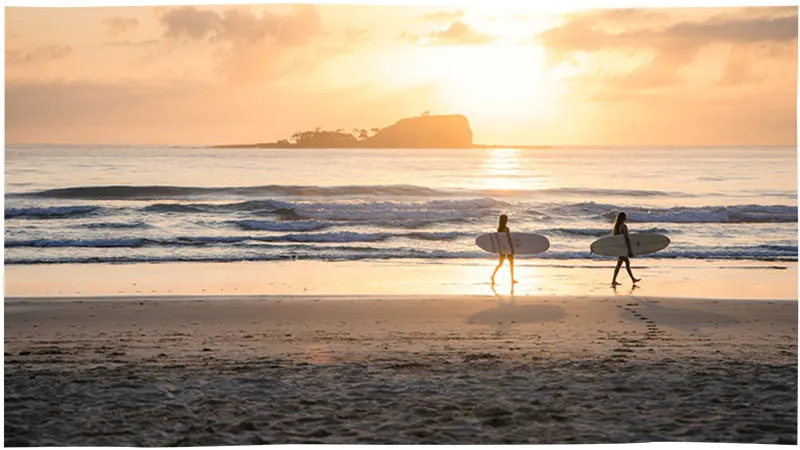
(633, 288)
(502, 228)
(506, 306)
(511, 294)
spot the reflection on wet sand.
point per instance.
(630, 291)
(508, 312)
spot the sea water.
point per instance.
(116, 204)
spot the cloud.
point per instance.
(129, 43)
(673, 45)
(759, 11)
(444, 16)
(772, 29)
(586, 32)
(736, 73)
(355, 34)
(119, 25)
(249, 48)
(242, 26)
(39, 55)
(189, 22)
(458, 33)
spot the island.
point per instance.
(424, 131)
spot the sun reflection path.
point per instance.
(474, 279)
(505, 170)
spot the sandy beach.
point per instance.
(228, 370)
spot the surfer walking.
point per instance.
(621, 228)
(502, 228)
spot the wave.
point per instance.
(720, 214)
(124, 242)
(271, 225)
(50, 212)
(597, 192)
(596, 232)
(757, 253)
(172, 192)
(311, 225)
(113, 225)
(320, 243)
(319, 238)
(349, 253)
(93, 243)
(174, 208)
(253, 206)
(123, 192)
(349, 236)
(681, 214)
(435, 210)
(405, 214)
(391, 213)
(419, 214)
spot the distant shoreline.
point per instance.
(292, 147)
(422, 132)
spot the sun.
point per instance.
(496, 81)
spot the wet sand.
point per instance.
(205, 370)
(770, 280)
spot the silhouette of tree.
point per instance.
(320, 138)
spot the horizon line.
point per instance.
(477, 145)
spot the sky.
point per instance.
(230, 74)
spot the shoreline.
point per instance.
(674, 279)
(11, 303)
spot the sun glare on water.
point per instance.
(501, 170)
(507, 169)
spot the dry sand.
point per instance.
(164, 371)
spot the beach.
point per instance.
(476, 369)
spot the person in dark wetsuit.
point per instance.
(502, 228)
(621, 228)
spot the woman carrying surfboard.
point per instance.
(502, 228)
(621, 228)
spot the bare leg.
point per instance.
(616, 271)
(511, 263)
(628, 268)
(502, 258)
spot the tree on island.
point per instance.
(319, 138)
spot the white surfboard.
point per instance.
(524, 243)
(641, 244)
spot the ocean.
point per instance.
(84, 204)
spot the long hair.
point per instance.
(621, 217)
(503, 222)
